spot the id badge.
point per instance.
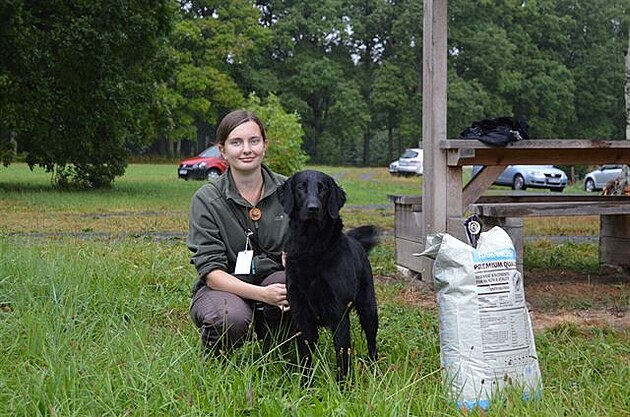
(244, 262)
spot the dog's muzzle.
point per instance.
(313, 210)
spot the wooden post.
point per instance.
(614, 240)
(434, 76)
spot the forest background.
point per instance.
(84, 86)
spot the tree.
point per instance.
(78, 82)
(210, 42)
(510, 57)
(597, 41)
(310, 56)
(401, 69)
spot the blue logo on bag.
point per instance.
(507, 254)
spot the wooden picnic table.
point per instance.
(508, 211)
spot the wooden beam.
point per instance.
(540, 151)
(435, 195)
(434, 75)
(585, 208)
(477, 185)
(536, 143)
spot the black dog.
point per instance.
(328, 272)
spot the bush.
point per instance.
(284, 132)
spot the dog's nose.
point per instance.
(313, 208)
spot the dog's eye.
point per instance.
(301, 187)
(321, 188)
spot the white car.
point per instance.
(393, 168)
(409, 163)
(597, 179)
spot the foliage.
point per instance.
(285, 154)
(558, 64)
(78, 82)
(352, 70)
(96, 79)
(209, 41)
(598, 40)
(342, 139)
(329, 56)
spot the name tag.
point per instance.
(244, 262)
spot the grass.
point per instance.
(96, 323)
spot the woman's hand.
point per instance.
(276, 295)
(273, 294)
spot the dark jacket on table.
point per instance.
(218, 223)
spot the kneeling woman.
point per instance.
(236, 231)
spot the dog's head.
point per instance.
(310, 195)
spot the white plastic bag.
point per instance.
(486, 336)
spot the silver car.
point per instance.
(597, 179)
(520, 177)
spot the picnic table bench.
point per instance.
(508, 211)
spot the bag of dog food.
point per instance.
(486, 337)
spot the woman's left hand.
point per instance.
(276, 295)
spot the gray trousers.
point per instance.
(226, 320)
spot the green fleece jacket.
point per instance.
(218, 223)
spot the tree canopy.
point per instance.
(78, 82)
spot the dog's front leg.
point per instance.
(306, 344)
(342, 342)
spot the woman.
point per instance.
(236, 232)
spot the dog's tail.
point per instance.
(366, 235)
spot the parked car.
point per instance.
(519, 177)
(409, 163)
(207, 165)
(393, 167)
(597, 179)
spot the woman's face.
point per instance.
(244, 148)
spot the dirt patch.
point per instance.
(542, 320)
(599, 299)
(589, 299)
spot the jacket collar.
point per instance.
(228, 187)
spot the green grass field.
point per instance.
(94, 293)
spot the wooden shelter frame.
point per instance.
(445, 199)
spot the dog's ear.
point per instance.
(285, 195)
(336, 199)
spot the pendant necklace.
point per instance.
(255, 213)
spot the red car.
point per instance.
(207, 165)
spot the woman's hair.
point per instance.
(234, 119)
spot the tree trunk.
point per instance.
(366, 148)
(628, 90)
(170, 148)
(390, 143)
